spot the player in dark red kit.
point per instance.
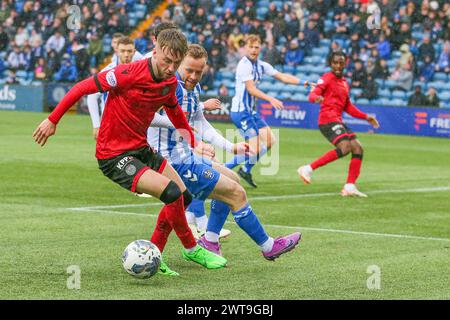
(136, 92)
(332, 92)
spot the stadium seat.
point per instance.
(362, 101)
(440, 76)
(398, 102)
(398, 94)
(438, 85)
(286, 95)
(356, 91)
(228, 75)
(289, 69)
(389, 84)
(291, 88)
(273, 93)
(444, 96)
(376, 102)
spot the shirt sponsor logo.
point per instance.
(123, 162)
(320, 81)
(111, 78)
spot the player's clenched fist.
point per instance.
(44, 131)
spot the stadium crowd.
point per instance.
(406, 55)
(45, 40)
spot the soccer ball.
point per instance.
(141, 259)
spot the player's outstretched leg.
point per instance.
(232, 196)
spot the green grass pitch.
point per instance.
(407, 180)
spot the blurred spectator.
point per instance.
(370, 88)
(41, 71)
(406, 56)
(443, 62)
(381, 71)
(271, 55)
(294, 55)
(16, 59)
(216, 61)
(403, 77)
(223, 91)
(312, 35)
(426, 72)
(67, 72)
(178, 17)
(95, 49)
(432, 100)
(359, 75)
(384, 47)
(55, 42)
(4, 39)
(426, 49)
(21, 36)
(354, 46)
(418, 98)
(207, 81)
(141, 42)
(12, 79)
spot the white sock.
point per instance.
(211, 236)
(190, 217)
(202, 222)
(190, 250)
(268, 245)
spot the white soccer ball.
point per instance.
(141, 259)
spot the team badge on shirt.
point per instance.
(111, 78)
(130, 169)
(208, 174)
(165, 90)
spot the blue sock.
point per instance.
(218, 216)
(238, 159)
(248, 221)
(197, 207)
(250, 163)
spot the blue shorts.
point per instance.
(198, 175)
(248, 123)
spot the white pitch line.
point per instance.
(363, 233)
(289, 196)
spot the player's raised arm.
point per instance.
(102, 82)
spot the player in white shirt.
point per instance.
(206, 179)
(243, 109)
(114, 44)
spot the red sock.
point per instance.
(354, 169)
(177, 218)
(324, 159)
(162, 230)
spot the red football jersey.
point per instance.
(134, 95)
(335, 92)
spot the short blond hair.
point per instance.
(196, 51)
(251, 38)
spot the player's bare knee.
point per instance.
(343, 149)
(238, 194)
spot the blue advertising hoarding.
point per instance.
(393, 120)
(24, 98)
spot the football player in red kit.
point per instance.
(332, 92)
(136, 92)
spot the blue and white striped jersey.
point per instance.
(248, 70)
(168, 141)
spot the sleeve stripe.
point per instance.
(97, 83)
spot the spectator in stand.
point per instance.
(271, 54)
(384, 47)
(56, 42)
(15, 59)
(406, 57)
(401, 36)
(21, 37)
(426, 72)
(95, 50)
(426, 49)
(417, 98)
(354, 46)
(141, 42)
(359, 75)
(272, 14)
(67, 72)
(223, 91)
(403, 78)
(207, 81)
(370, 88)
(312, 35)
(41, 71)
(443, 62)
(4, 39)
(432, 100)
(12, 78)
(381, 70)
(342, 26)
(216, 60)
(294, 55)
(178, 17)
